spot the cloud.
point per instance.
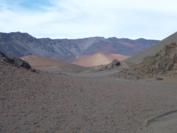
(84, 18)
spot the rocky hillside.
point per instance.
(18, 44)
(159, 60)
(152, 51)
(163, 63)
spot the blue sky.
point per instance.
(25, 4)
(86, 18)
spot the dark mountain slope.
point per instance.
(122, 46)
(21, 44)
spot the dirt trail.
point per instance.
(163, 123)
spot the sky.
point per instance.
(152, 19)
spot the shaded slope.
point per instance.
(18, 44)
(122, 46)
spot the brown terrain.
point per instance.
(56, 103)
(106, 101)
(98, 59)
(50, 65)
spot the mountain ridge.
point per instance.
(17, 44)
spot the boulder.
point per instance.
(1, 54)
(112, 65)
(17, 62)
(116, 63)
(21, 63)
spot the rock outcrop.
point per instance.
(114, 64)
(164, 63)
(15, 61)
(18, 62)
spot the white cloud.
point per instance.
(83, 18)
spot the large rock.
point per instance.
(21, 63)
(15, 61)
(114, 64)
(1, 54)
(18, 62)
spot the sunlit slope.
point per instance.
(46, 64)
(98, 59)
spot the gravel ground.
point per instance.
(57, 103)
